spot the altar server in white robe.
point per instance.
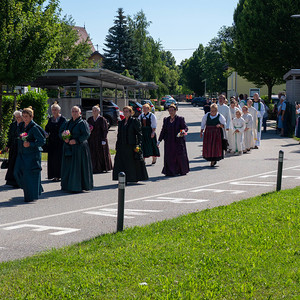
(238, 124)
(223, 109)
(232, 108)
(248, 134)
(253, 112)
(259, 106)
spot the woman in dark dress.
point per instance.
(55, 143)
(149, 141)
(101, 159)
(76, 166)
(213, 124)
(12, 147)
(129, 158)
(173, 133)
(28, 168)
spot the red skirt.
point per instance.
(212, 143)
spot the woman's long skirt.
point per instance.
(149, 145)
(129, 162)
(212, 144)
(54, 159)
(12, 157)
(28, 175)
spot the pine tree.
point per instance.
(117, 45)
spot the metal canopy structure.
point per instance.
(89, 78)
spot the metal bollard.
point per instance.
(121, 201)
(279, 171)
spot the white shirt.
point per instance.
(152, 118)
(261, 111)
(204, 119)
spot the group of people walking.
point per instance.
(77, 148)
(235, 128)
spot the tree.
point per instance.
(119, 52)
(215, 63)
(72, 54)
(28, 40)
(264, 39)
(193, 73)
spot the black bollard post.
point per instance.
(279, 171)
(121, 201)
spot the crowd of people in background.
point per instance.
(78, 148)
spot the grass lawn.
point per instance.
(247, 250)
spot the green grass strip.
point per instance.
(247, 250)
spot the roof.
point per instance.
(88, 78)
(83, 36)
(293, 72)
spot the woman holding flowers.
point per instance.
(98, 143)
(76, 167)
(173, 133)
(55, 143)
(12, 147)
(129, 157)
(28, 164)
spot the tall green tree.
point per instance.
(265, 40)
(28, 40)
(193, 72)
(119, 51)
(215, 63)
(73, 53)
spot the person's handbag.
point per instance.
(4, 164)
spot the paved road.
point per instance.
(59, 218)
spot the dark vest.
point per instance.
(212, 122)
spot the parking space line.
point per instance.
(128, 213)
(253, 183)
(39, 228)
(139, 199)
(176, 200)
(283, 176)
(233, 192)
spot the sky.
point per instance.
(179, 25)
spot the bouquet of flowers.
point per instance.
(91, 128)
(23, 136)
(137, 149)
(181, 133)
(66, 135)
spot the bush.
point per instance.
(8, 110)
(38, 102)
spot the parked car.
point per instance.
(163, 99)
(150, 103)
(111, 110)
(169, 102)
(198, 101)
(137, 107)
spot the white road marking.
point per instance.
(253, 183)
(139, 199)
(128, 213)
(60, 230)
(283, 176)
(176, 200)
(233, 192)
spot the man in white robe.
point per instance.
(223, 109)
(253, 112)
(259, 106)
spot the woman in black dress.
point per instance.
(98, 143)
(55, 143)
(129, 158)
(149, 140)
(12, 146)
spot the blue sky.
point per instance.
(177, 24)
